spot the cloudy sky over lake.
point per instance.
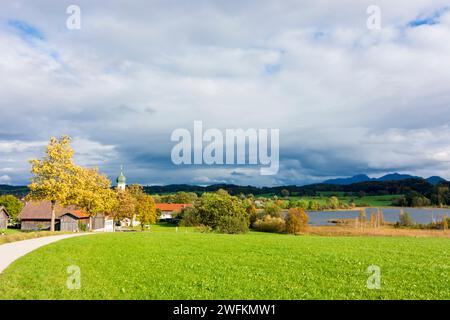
(346, 99)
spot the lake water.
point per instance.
(321, 218)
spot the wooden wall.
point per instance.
(3, 219)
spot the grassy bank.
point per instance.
(12, 235)
(164, 264)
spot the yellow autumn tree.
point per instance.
(145, 209)
(296, 221)
(94, 193)
(125, 206)
(53, 175)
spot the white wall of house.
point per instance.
(166, 215)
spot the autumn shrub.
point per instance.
(270, 224)
(296, 221)
(272, 209)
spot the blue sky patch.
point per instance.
(26, 30)
(428, 20)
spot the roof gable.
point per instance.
(4, 210)
(43, 210)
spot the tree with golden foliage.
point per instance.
(145, 209)
(297, 221)
(125, 206)
(94, 193)
(53, 176)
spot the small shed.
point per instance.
(70, 222)
(102, 222)
(4, 218)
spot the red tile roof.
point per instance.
(172, 206)
(43, 210)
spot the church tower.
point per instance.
(121, 180)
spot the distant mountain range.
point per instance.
(389, 177)
(394, 183)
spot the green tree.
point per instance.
(333, 202)
(284, 193)
(189, 217)
(184, 197)
(313, 205)
(12, 205)
(53, 177)
(222, 212)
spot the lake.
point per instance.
(320, 218)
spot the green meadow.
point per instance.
(165, 264)
(371, 201)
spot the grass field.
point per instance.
(8, 231)
(372, 201)
(163, 264)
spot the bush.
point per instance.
(81, 226)
(297, 221)
(229, 224)
(270, 224)
(189, 217)
(272, 209)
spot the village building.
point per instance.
(4, 218)
(37, 215)
(170, 210)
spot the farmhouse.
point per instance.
(4, 218)
(36, 215)
(169, 210)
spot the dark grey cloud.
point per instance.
(346, 99)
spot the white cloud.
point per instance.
(5, 179)
(344, 98)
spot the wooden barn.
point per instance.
(36, 215)
(4, 218)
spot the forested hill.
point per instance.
(420, 186)
(18, 191)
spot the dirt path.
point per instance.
(9, 252)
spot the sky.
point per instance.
(346, 99)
